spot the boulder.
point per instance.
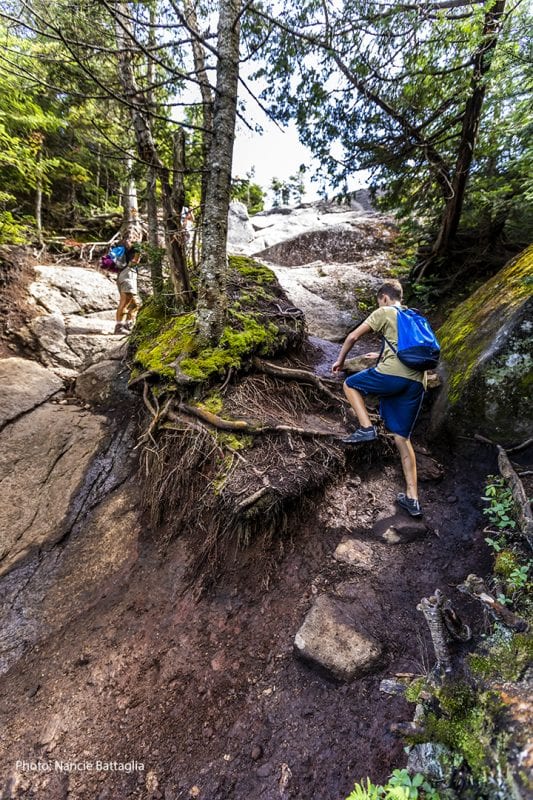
(44, 457)
(329, 640)
(333, 297)
(487, 352)
(68, 290)
(24, 385)
(338, 243)
(103, 383)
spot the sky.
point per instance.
(276, 152)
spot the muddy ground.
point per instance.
(206, 694)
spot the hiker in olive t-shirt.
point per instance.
(400, 389)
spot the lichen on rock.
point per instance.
(487, 350)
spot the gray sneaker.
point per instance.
(410, 505)
(361, 436)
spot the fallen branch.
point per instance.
(241, 426)
(525, 517)
(252, 499)
(475, 587)
(520, 446)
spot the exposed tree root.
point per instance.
(300, 375)
(241, 426)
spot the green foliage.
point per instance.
(400, 786)
(381, 87)
(501, 507)
(249, 193)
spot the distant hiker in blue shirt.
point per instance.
(400, 388)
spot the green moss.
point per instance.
(470, 731)
(163, 341)
(506, 658)
(414, 690)
(213, 403)
(466, 333)
(160, 342)
(254, 272)
(506, 562)
(234, 441)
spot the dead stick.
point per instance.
(475, 587)
(525, 517)
(520, 446)
(431, 607)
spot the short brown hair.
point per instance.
(391, 288)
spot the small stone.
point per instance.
(264, 770)
(257, 752)
(355, 553)
(452, 498)
(328, 639)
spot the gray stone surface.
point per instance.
(24, 385)
(44, 457)
(330, 640)
(68, 290)
(329, 259)
(240, 229)
(103, 383)
(355, 553)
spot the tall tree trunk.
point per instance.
(131, 224)
(469, 133)
(213, 266)
(156, 261)
(148, 152)
(207, 94)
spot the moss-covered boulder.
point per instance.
(259, 321)
(487, 350)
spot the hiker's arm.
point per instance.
(349, 343)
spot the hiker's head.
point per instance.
(389, 293)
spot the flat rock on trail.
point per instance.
(108, 655)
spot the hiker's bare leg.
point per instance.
(132, 308)
(408, 457)
(357, 402)
(122, 305)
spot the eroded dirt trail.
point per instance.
(113, 658)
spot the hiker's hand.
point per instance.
(372, 355)
(337, 366)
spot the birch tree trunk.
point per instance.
(213, 265)
(131, 224)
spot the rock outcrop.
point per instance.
(328, 258)
(24, 385)
(487, 348)
(77, 328)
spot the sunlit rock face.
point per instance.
(329, 258)
(487, 348)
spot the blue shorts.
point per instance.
(400, 399)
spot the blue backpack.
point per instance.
(418, 347)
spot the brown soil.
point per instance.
(16, 272)
(207, 694)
